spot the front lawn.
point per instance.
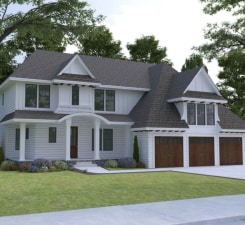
(24, 193)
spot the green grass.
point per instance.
(24, 193)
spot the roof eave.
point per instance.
(198, 100)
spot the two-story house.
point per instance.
(69, 106)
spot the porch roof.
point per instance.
(51, 116)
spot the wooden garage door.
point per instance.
(230, 150)
(201, 151)
(168, 152)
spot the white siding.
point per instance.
(9, 101)
(126, 100)
(42, 147)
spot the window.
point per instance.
(44, 96)
(52, 134)
(75, 95)
(191, 115)
(210, 114)
(17, 139)
(31, 95)
(37, 96)
(104, 100)
(200, 114)
(27, 133)
(106, 140)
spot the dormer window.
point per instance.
(200, 114)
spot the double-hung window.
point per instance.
(200, 114)
(75, 95)
(104, 100)
(106, 139)
(37, 96)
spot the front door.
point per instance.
(74, 142)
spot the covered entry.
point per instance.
(168, 152)
(201, 151)
(230, 150)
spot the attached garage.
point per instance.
(230, 150)
(201, 151)
(168, 152)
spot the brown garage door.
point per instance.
(230, 150)
(201, 151)
(168, 152)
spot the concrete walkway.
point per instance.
(236, 172)
(226, 210)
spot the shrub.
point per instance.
(8, 165)
(24, 167)
(140, 165)
(1, 155)
(44, 169)
(42, 162)
(136, 150)
(52, 168)
(127, 163)
(111, 164)
(60, 165)
(33, 169)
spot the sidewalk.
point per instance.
(225, 210)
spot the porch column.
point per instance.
(96, 139)
(186, 151)
(22, 141)
(68, 139)
(216, 151)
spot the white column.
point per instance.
(68, 139)
(22, 141)
(186, 151)
(216, 151)
(96, 139)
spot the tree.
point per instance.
(227, 45)
(49, 26)
(99, 42)
(232, 84)
(136, 150)
(193, 61)
(146, 49)
(228, 35)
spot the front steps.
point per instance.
(85, 165)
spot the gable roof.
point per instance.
(46, 65)
(153, 110)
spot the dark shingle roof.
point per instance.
(203, 95)
(180, 82)
(27, 114)
(228, 120)
(73, 77)
(153, 110)
(117, 118)
(46, 65)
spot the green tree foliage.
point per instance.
(99, 42)
(226, 43)
(146, 49)
(49, 26)
(193, 61)
(232, 84)
(136, 155)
